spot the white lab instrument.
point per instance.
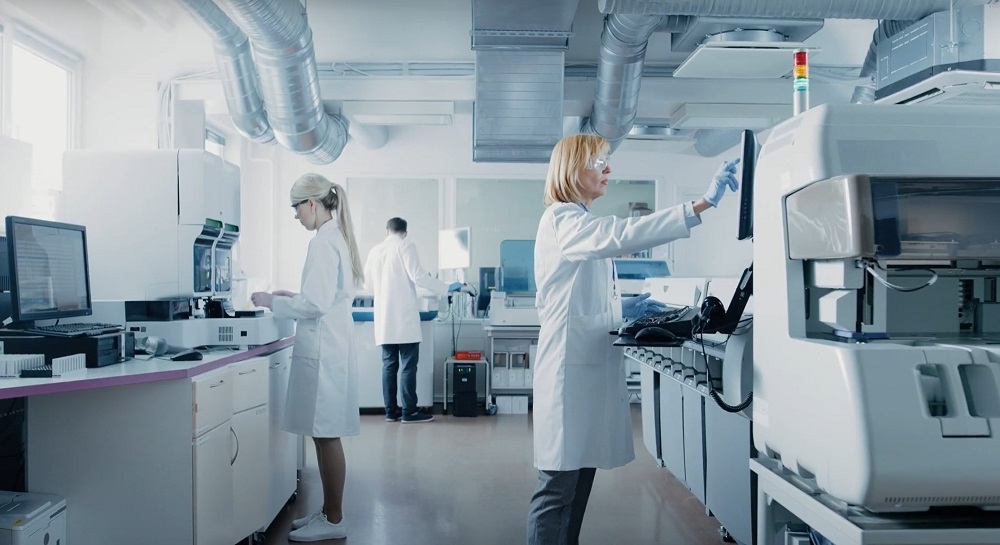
(513, 309)
(168, 232)
(238, 332)
(889, 398)
(167, 240)
(32, 519)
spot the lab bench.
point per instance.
(157, 451)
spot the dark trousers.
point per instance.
(394, 356)
(557, 507)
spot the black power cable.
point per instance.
(699, 329)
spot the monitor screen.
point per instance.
(453, 249)
(748, 164)
(48, 269)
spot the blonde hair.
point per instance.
(569, 157)
(333, 198)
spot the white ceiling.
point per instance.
(438, 30)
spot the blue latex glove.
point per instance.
(454, 286)
(641, 305)
(725, 177)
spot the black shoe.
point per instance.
(393, 417)
(417, 418)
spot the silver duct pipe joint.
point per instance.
(283, 47)
(368, 136)
(619, 74)
(237, 73)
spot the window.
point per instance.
(499, 210)
(414, 200)
(41, 90)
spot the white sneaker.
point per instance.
(298, 523)
(319, 529)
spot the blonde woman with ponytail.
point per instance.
(322, 389)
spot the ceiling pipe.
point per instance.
(286, 61)
(237, 73)
(619, 74)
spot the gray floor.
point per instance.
(468, 481)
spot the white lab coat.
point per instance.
(323, 380)
(581, 413)
(392, 272)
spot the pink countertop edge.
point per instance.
(139, 378)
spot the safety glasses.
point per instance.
(295, 206)
(599, 162)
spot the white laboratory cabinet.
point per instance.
(370, 367)
(175, 461)
(251, 435)
(282, 447)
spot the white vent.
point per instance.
(959, 87)
(226, 334)
(700, 115)
(741, 60)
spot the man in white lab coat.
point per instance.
(392, 273)
(581, 418)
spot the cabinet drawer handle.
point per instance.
(220, 383)
(248, 372)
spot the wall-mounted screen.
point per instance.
(453, 249)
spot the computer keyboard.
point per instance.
(75, 330)
(677, 321)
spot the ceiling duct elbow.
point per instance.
(619, 74)
(237, 73)
(286, 61)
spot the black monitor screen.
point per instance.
(48, 269)
(748, 162)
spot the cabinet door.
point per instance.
(672, 427)
(250, 472)
(282, 446)
(213, 399)
(213, 486)
(249, 383)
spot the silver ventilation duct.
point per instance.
(865, 94)
(283, 48)
(619, 73)
(520, 50)
(791, 9)
(236, 70)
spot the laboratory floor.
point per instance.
(468, 480)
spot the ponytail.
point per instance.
(347, 227)
(333, 198)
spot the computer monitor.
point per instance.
(748, 162)
(49, 277)
(453, 249)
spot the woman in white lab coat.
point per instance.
(581, 412)
(322, 388)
